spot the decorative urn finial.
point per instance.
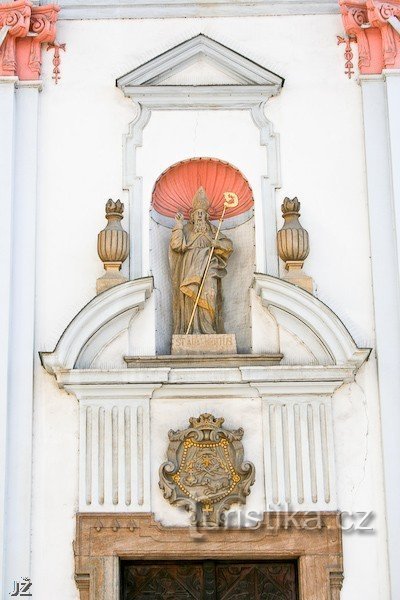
(293, 244)
(112, 247)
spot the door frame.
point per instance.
(313, 539)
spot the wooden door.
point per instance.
(209, 580)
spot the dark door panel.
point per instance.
(163, 581)
(208, 580)
(256, 581)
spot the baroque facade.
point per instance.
(199, 396)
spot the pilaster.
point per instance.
(7, 112)
(25, 27)
(21, 343)
(392, 78)
(381, 172)
(370, 24)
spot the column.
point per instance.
(382, 172)
(7, 112)
(21, 343)
(392, 77)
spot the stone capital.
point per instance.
(16, 17)
(43, 22)
(366, 21)
(42, 29)
(28, 27)
(378, 15)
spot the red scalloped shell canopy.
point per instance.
(175, 188)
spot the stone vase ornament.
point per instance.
(293, 245)
(112, 247)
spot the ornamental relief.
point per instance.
(205, 472)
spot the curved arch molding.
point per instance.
(98, 322)
(311, 320)
(109, 313)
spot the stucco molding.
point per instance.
(26, 27)
(255, 85)
(133, 185)
(87, 328)
(150, 9)
(271, 182)
(312, 320)
(286, 380)
(15, 17)
(243, 70)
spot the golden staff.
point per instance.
(231, 200)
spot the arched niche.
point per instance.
(216, 108)
(173, 192)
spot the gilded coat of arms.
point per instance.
(205, 471)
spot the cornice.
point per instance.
(206, 97)
(253, 83)
(151, 9)
(283, 380)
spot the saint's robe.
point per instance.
(189, 252)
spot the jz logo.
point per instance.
(21, 588)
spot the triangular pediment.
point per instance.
(201, 72)
(200, 61)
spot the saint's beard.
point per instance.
(200, 226)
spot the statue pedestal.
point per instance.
(219, 343)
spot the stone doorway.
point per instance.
(311, 541)
(209, 580)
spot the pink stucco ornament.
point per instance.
(15, 15)
(175, 188)
(366, 21)
(20, 53)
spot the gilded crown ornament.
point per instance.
(293, 244)
(206, 421)
(112, 247)
(205, 472)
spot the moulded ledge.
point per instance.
(204, 360)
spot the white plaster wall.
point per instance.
(82, 121)
(55, 490)
(360, 485)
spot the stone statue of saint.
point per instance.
(190, 247)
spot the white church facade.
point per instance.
(199, 393)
